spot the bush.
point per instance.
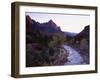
(58, 39)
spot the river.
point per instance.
(73, 57)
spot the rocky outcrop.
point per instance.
(84, 34)
(38, 35)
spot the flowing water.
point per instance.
(73, 57)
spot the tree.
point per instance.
(58, 39)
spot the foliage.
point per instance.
(57, 40)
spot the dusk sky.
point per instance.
(67, 22)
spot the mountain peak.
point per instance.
(87, 27)
(28, 18)
(84, 33)
(50, 22)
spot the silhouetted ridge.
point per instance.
(52, 23)
(48, 27)
(84, 34)
(29, 20)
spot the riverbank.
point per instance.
(74, 57)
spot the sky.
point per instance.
(67, 22)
